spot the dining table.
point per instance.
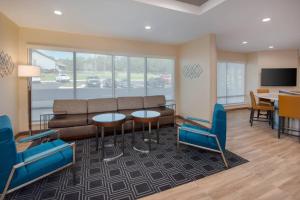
(273, 97)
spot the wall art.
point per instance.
(7, 65)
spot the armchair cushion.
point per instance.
(197, 139)
(68, 121)
(43, 166)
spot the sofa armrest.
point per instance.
(168, 105)
(45, 118)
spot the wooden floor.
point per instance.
(272, 173)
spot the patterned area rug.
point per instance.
(132, 176)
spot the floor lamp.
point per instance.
(29, 71)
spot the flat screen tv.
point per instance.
(279, 77)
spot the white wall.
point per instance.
(8, 84)
(270, 59)
(197, 96)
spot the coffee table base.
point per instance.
(109, 145)
(149, 139)
(140, 150)
(113, 158)
(152, 140)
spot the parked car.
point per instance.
(62, 78)
(167, 78)
(156, 83)
(122, 84)
(93, 81)
(107, 83)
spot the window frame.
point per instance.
(245, 81)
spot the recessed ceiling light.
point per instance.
(245, 42)
(267, 19)
(58, 12)
(148, 27)
(271, 47)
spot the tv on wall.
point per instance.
(279, 77)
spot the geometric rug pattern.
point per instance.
(132, 176)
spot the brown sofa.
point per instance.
(74, 117)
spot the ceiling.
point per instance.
(233, 21)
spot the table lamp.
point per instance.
(29, 71)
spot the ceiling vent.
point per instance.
(196, 7)
(194, 2)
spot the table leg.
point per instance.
(157, 133)
(149, 136)
(115, 138)
(97, 138)
(123, 145)
(102, 140)
(133, 133)
(143, 131)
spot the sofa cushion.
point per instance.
(154, 101)
(128, 103)
(70, 106)
(163, 111)
(68, 121)
(102, 105)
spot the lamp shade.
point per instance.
(28, 71)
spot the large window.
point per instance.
(160, 77)
(56, 80)
(93, 76)
(129, 76)
(231, 83)
(71, 75)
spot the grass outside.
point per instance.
(82, 76)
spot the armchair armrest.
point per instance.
(44, 154)
(38, 136)
(197, 132)
(198, 119)
(193, 122)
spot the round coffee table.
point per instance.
(149, 117)
(109, 120)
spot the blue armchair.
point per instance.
(20, 169)
(212, 139)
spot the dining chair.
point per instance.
(288, 106)
(269, 109)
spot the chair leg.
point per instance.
(2, 196)
(221, 151)
(258, 113)
(224, 159)
(251, 117)
(272, 119)
(279, 127)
